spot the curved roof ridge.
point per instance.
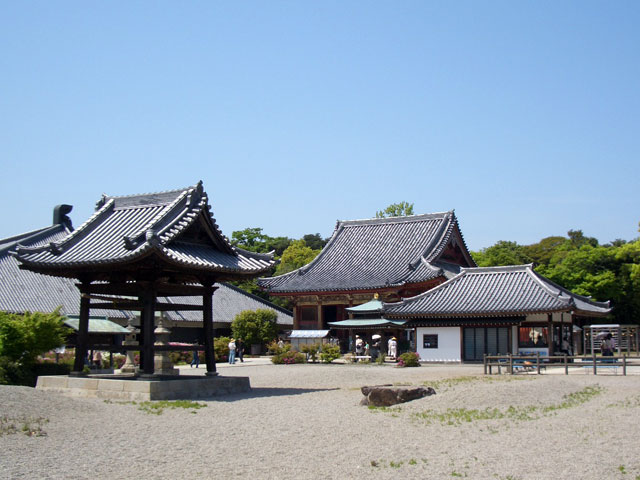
(15, 241)
(605, 304)
(437, 244)
(545, 286)
(398, 219)
(158, 218)
(497, 268)
(148, 196)
(433, 290)
(77, 233)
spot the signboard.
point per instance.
(430, 341)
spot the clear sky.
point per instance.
(521, 116)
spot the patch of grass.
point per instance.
(158, 407)
(631, 402)
(30, 426)
(448, 383)
(374, 408)
(458, 416)
(393, 464)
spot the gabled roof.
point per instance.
(377, 253)
(175, 227)
(23, 290)
(495, 291)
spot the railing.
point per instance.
(521, 363)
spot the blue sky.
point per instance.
(521, 116)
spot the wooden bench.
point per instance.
(361, 357)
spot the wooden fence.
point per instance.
(536, 363)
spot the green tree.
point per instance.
(255, 327)
(254, 240)
(541, 252)
(502, 253)
(297, 255)
(314, 241)
(396, 210)
(22, 339)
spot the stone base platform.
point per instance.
(133, 388)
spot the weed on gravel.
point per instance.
(158, 407)
(30, 426)
(458, 416)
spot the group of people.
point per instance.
(236, 350)
(363, 348)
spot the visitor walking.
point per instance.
(359, 346)
(97, 359)
(240, 350)
(232, 351)
(196, 358)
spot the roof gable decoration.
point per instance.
(129, 227)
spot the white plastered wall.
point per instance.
(448, 344)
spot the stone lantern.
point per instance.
(130, 339)
(162, 363)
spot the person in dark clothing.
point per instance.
(240, 349)
(196, 359)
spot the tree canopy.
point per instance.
(580, 264)
(396, 210)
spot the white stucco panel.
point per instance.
(448, 344)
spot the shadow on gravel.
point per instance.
(267, 392)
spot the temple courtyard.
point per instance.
(305, 421)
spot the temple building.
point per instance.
(392, 257)
(494, 310)
(413, 278)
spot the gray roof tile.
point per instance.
(22, 290)
(124, 229)
(511, 290)
(374, 253)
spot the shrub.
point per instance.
(221, 348)
(409, 359)
(311, 349)
(287, 356)
(255, 327)
(23, 338)
(330, 353)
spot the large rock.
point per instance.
(387, 395)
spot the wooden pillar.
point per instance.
(551, 332)
(296, 317)
(350, 297)
(320, 316)
(147, 326)
(207, 321)
(83, 331)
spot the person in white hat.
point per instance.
(392, 348)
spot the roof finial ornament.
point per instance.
(100, 203)
(376, 296)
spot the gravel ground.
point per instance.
(305, 421)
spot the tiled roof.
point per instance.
(374, 253)
(495, 291)
(177, 226)
(228, 301)
(22, 290)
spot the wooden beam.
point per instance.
(136, 306)
(136, 288)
